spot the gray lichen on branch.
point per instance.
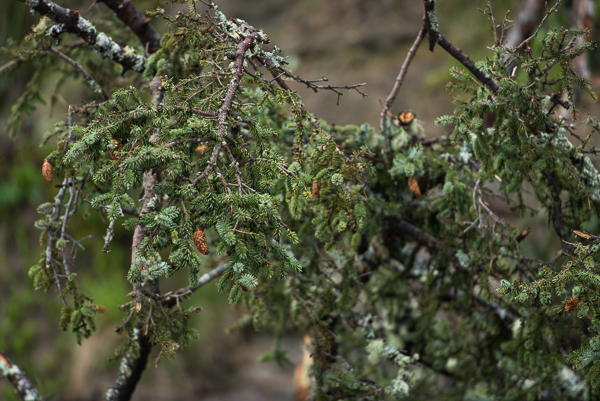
(70, 21)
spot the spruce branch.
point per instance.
(225, 109)
(12, 63)
(15, 375)
(127, 12)
(58, 205)
(86, 75)
(70, 21)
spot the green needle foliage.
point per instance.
(406, 280)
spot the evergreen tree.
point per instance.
(378, 243)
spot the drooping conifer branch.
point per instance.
(232, 87)
(70, 21)
(127, 12)
(15, 375)
(135, 360)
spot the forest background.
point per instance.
(347, 41)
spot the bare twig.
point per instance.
(86, 75)
(468, 63)
(170, 299)
(548, 12)
(399, 80)
(232, 88)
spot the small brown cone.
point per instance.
(200, 241)
(47, 170)
(116, 149)
(316, 190)
(413, 185)
(571, 304)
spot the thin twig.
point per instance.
(548, 12)
(399, 80)
(86, 75)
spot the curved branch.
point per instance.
(172, 299)
(131, 368)
(69, 21)
(436, 37)
(86, 75)
(18, 379)
(127, 12)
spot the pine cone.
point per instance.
(413, 185)
(200, 241)
(571, 304)
(47, 170)
(316, 190)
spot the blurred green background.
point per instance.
(347, 41)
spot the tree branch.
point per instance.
(399, 80)
(232, 88)
(127, 12)
(86, 75)
(171, 299)
(69, 21)
(424, 238)
(468, 63)
(436, 37)
(18, 379)
(131, 368)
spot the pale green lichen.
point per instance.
(588, 173)
(399, 388)
(42, 26)
(129, 51)
(434, 22)
(274, 57)
(463, 258)
(85, 26)
(29, 394)
(375, 350)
